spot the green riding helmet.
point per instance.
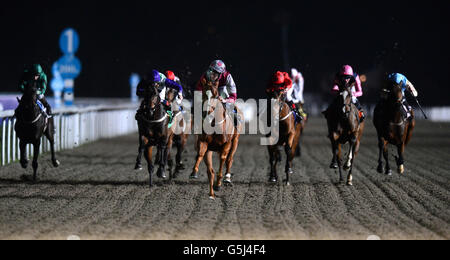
(36, 69)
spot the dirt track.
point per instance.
(96, 194)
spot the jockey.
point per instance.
(36, 74)
(281, 82)
(171, 76)
(295, 94)
(403, 82)
(227, 87)
(347, 76)
(158, 80)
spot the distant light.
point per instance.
(363, 78)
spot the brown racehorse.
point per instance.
(177, 134)
(392, 127)
(223, 140)
(288, 136)
(344, 126)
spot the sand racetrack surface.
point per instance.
(96, 194)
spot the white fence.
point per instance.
(74, 127)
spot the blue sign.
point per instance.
(69, 66)
(69, 41)
(134, 81)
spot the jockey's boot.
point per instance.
(362, 115)
(298, 116)
(302, 112)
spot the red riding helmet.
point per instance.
(278, 78)
(170, 75)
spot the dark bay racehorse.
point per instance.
(153, 131)
(344, 126)
(392, 127)
(224, 142)
(288, 136)
(31, 125)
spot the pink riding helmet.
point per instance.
(346, 70)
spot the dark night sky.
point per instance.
(117, 39)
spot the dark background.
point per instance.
(117, 39)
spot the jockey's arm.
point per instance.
(411, 88)
(358, 87)
(289, 95)
(231, 89)
(42, 85)
(162, 94)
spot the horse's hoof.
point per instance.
(287, 183)
(56, 163)
(401, 169)
(273, 180)
(24, 164)
(388, 172)
(161, 174)
(333, 165)
(289, 171)
(349, 183)
(380, 169)
(138, 167)
(212, 197)
(193, 176)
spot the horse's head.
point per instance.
(396, 93)
(153, 99)
(276, 94)
(346, 100)
(171, 94)
(211, 88)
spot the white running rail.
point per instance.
(74, 127)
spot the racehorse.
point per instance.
(153, 131)
(31, 125)
(392, 127)
(298, 151)
(288, 136)
(344, 126)
(177, 134)
(224, 140)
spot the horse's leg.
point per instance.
(290, 153)
(273, 150)
(334, 148)
(23, 154)
(400, 159)
(211, 173)
(148, 156)
(162, 153)
(169, 157)
(202, 148)
(181, 143)
(380, 154)
(348, 163)
(223, 157)
(352, 155)
(230, 159)
(36, 146)
(339, 161)
(50, 134)
(141, 149)
(386, 158)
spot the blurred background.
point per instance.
(253, 38)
